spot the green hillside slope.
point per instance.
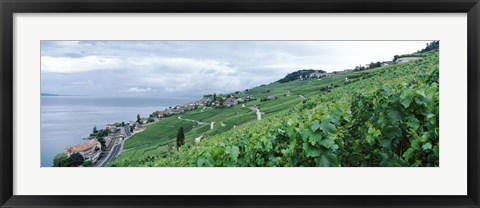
(387, 116)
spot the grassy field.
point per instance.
(159, 138)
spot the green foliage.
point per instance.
(87, 164)
(99, 133)
(75, 160)
(375, 65)
(59, 159)
(62, 160)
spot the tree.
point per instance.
(431, 46)
(138, 118)
(123, 124)
(60, 159)
(395, 58)
(95, 129)
(180, 137)
(87, 164)
(214, 96)
(102, 142)
(75, 160)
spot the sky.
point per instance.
(193, 68)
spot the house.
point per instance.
(317, 75)
(90, 151)
(386, 63)
(230, 102)
(161, 114)
(271, 97)
(189, 107)
(407, 59)
(176, 110)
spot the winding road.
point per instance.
(111, 156)
(116, 149)
(198, 122)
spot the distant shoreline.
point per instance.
(48, 94)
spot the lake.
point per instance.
(65, 120)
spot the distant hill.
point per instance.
(48, 94)
(303, 75)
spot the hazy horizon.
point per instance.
(194, 68)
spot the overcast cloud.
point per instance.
(194, 68)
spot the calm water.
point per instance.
(65, 120)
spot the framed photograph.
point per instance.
(266, 103)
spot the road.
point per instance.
(117, 148)
(112, 155)
(198, 122)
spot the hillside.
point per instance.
(387, 116)
(159, 138)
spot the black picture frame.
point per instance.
(9, 7)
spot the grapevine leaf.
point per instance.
(328, 159)
(203, 162)
(372, 135)
(315, 126)
(406, 99)
(386, 144)
(427, 146)
(393, 132)
(329, 143)
(436, 151)
(323, 161)
(394, 116)
(413, 122)
(370, 139)
(306, 134)
(311, 151)
(235, 152)
(327, 127)
(387, 89)
(408, 154)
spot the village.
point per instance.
(105, 144)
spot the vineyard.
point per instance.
(383, 117)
